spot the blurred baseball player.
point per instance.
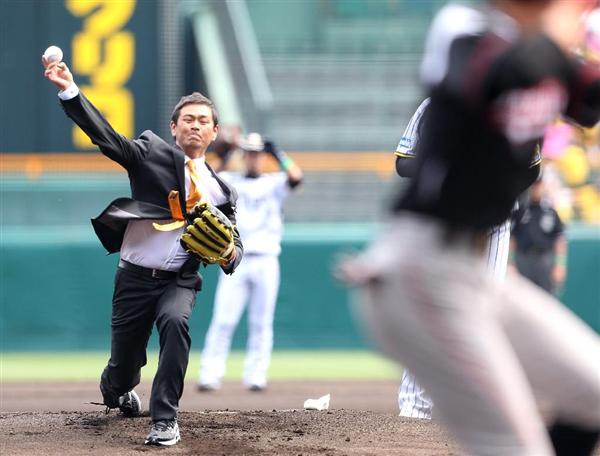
(413, 401)
(256, 281)
(497, 77)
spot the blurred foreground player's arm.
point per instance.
(584, 106)
(563, 22)
(501, 76)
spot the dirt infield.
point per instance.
(52, 419)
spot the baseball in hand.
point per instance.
(53, 54)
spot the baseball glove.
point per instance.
(209, 235)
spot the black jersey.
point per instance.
(493, 92)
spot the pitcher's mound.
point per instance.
(282, 432)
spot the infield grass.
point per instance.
(286, 365)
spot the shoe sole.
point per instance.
(207, 388)
(256, 388)
(133, 413)
(162, 442)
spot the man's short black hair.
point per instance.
(194, 98)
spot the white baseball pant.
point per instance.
(413, 400)
(480, 347)
(256, 283)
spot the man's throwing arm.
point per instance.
(112, 144)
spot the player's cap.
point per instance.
(253, 142)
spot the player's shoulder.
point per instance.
(274, 181)
(537, 156)
(423, 106)
(405, 147)
(270, 179)
(275, 175)
(280, 177)
(230, 176)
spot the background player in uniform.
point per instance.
(413, 400)
(256, 281)
(538, 244)
(497, 77)
(225, 147)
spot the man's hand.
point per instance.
(358, 269)
(209, 235)
(269, 147)
(58, 73)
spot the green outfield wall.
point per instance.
(57, 285)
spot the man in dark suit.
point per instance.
(157, 280)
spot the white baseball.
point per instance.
(53, 54)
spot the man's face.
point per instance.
(195, 129)
(254, 161)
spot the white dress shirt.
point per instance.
(145, 246)
(260, 210)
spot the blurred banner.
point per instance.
(111, 48)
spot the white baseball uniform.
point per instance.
(255, 282)
(413, 400)
(410, 138)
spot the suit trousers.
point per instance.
(139, 302)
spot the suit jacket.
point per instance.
(154, 168)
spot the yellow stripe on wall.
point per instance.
(36, 164)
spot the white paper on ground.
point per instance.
(317, 404)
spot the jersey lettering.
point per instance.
(524, 114)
